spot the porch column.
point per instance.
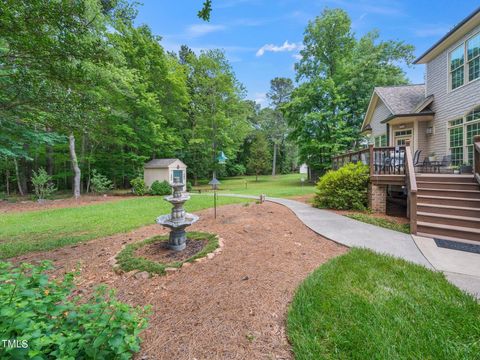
(377, 198)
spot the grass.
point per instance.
(274, 186)
(368, 306)
(49, 229)
(385, 223)
(128, 261)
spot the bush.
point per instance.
(138, 186)
(189, 186)
(100, 183)
(344, 189)
(160, 188)
(56, 325)
(42, 184)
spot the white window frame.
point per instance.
(465, 64)
(463, 125)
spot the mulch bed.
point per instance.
(231, 307)
(159, 252)
(30, 205)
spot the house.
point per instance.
(303, 169)
(164, 170)
(419, 133)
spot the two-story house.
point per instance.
(420, 133)
(439, 117)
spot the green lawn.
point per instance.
(385, 223)
(275, 186)
(49, 229)
(367, 306)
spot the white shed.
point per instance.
(303, 169)
(164, 169)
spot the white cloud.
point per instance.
(261, 98)
(297, 56)
(198, 30)
(275, 48)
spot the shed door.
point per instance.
(178, 174)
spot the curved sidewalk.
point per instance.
(349, 232)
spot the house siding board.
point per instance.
(422, 139)
(380, 113)
(448, 105)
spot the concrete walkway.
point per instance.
(349, 232)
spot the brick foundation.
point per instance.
(377, 198)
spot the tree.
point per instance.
(278, 95)
(259, 160)
(337, 74)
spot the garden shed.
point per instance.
(164, 169)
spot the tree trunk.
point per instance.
(17, 174)
(7, 181)
(49, 160)
(76, 170)
(274, 163)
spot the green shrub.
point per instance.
(189, 186)
(127, 260)
(344, 189)
(100, 183)
(138, 186)
(160, 188)
(42, 184)
(56, 325)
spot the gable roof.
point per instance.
(160, 163)
(462, 28)
(399, 100)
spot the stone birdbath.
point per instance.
(178, 219)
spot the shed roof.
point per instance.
(402, 99)
(160, 163)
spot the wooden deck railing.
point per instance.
(385, 160)
(476, 157)
(412, 189)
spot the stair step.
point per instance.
(447, 200)
(470, 194)
(448, 185)
(451, 220)
(439, 230)
(445, 178)
(449, 210)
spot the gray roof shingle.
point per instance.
(402, 99)
(159, 163)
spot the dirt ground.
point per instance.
(230, 307)
(7, 207)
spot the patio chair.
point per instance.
(446, 162)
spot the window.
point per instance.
(464, 64)
(380, 141)
(473, 57)
(456, 141)
(461, 133)
(403, 132)
(456, 67)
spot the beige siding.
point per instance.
(422, 139)
(448, 104)
(380, 113)
(150, 175)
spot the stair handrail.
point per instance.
(412, 189)
(476, 157)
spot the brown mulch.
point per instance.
(231, 307)
(30, 205)
(158, 251)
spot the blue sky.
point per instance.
(261, 38)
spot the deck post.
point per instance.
(370, 147)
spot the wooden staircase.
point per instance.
(448, 206)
